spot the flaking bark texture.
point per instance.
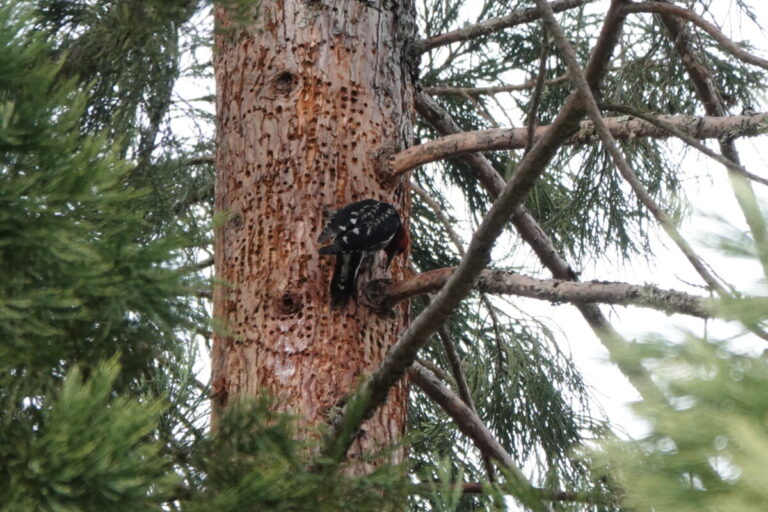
(312, 99)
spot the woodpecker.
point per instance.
(366, 226)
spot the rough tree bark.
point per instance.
(312, 97)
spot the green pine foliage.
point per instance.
(706, 445)
(707, 437)
(100, 408)
(254, 462)
(82, 448)
(78, 286)
(89, 316)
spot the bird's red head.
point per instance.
(398, 245)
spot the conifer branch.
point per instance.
(533, 109)
(553, 290)
(478, 488)
(715, 106)
(455, 362)
(654, 120)
(372, 393)
(518, 17)
(709, 28)
(489, 91)
(622, 128)
(580, 84)
(473, 427)
(537, 239)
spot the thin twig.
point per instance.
(441, 216)
(444, 375)
(482, 110)
(538, 90)
(709, 28)
(519, 17)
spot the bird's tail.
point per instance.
(330, 249)
(343, 281)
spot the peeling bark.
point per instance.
(309, 98)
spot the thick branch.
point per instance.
(555, 290)
(709, 28)
(534, 235)
(582, 86)
(374, 390)
(621, 128)
(733, 166)
(473, 427)
(519, 17)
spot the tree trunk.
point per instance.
(312, 99)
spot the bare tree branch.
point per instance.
(553, 290)
(455, 361)
(715, 106)
(622, 128)
(473, 427)
(374, 390)
(489, 91)
(585, 92)
(538, 240)
(733, 166)
(709, 28)
(519, 17)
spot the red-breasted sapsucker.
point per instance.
(363, 227)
